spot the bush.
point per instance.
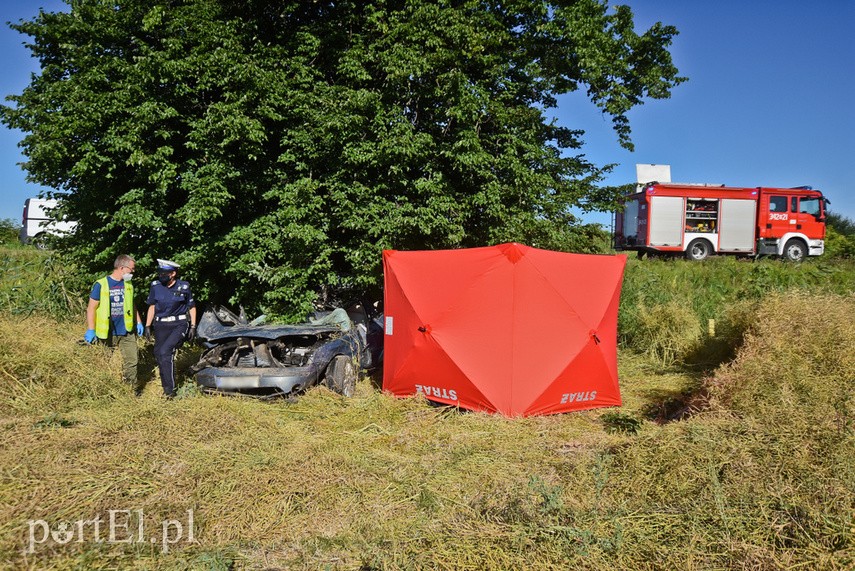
(9, 230)
(32, 281)
(839, 245)
(840, 236)
(841, 224)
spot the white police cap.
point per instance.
(167, 265)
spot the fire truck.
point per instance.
(698, 220)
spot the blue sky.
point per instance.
(769, 101)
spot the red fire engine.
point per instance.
(699, 220)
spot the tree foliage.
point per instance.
(9, 231)
(839, 236)
(275, 148)
(843, 225)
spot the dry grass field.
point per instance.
(747, 465)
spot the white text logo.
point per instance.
(578, 397)
(122, 526)
(437, 392)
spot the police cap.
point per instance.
(166, 265)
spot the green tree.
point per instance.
(276, 148)
(843, 225)
(839, 236)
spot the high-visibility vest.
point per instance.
(102, 312)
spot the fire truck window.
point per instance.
(794, 204)
(810, 206)
(778, 204)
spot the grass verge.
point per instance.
(761, 478)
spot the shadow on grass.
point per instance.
(670, 404)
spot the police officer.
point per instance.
(170, 304)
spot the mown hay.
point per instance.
(797, 361)
(667, 333)
(764, 479)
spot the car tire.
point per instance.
(698, 250)
(40, 241)
(341, 376)
(795, 250)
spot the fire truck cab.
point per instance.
(700, 220)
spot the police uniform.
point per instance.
(171, 324)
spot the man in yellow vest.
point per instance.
(110, 316)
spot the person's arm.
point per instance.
(139, 322)
(90, 313)
(94, 301)
(191, 331)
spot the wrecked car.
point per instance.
(283, 360)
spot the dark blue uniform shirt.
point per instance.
(169, 301)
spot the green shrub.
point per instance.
(33, 281)
(9, 231)
(839, 245)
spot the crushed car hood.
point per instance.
(220, 324)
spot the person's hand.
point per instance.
(139, 329)
(89, 336)
(147, 332)
(191, 333)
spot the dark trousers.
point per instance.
(168, 337)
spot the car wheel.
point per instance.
(795, 250)
(40, 241)
(341, 376)
(698, 250)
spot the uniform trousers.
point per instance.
(168, 337)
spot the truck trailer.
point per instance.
(37, 224)
(698, 220)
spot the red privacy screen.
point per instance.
(508, 328)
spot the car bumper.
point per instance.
(285, 380)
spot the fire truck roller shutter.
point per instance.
(666, 220)
(736, 227)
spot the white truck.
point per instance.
(37, 223)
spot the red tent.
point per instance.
(508, 328)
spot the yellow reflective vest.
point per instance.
(102, 312)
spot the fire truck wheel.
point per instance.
(698, 250)
(795, 250)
